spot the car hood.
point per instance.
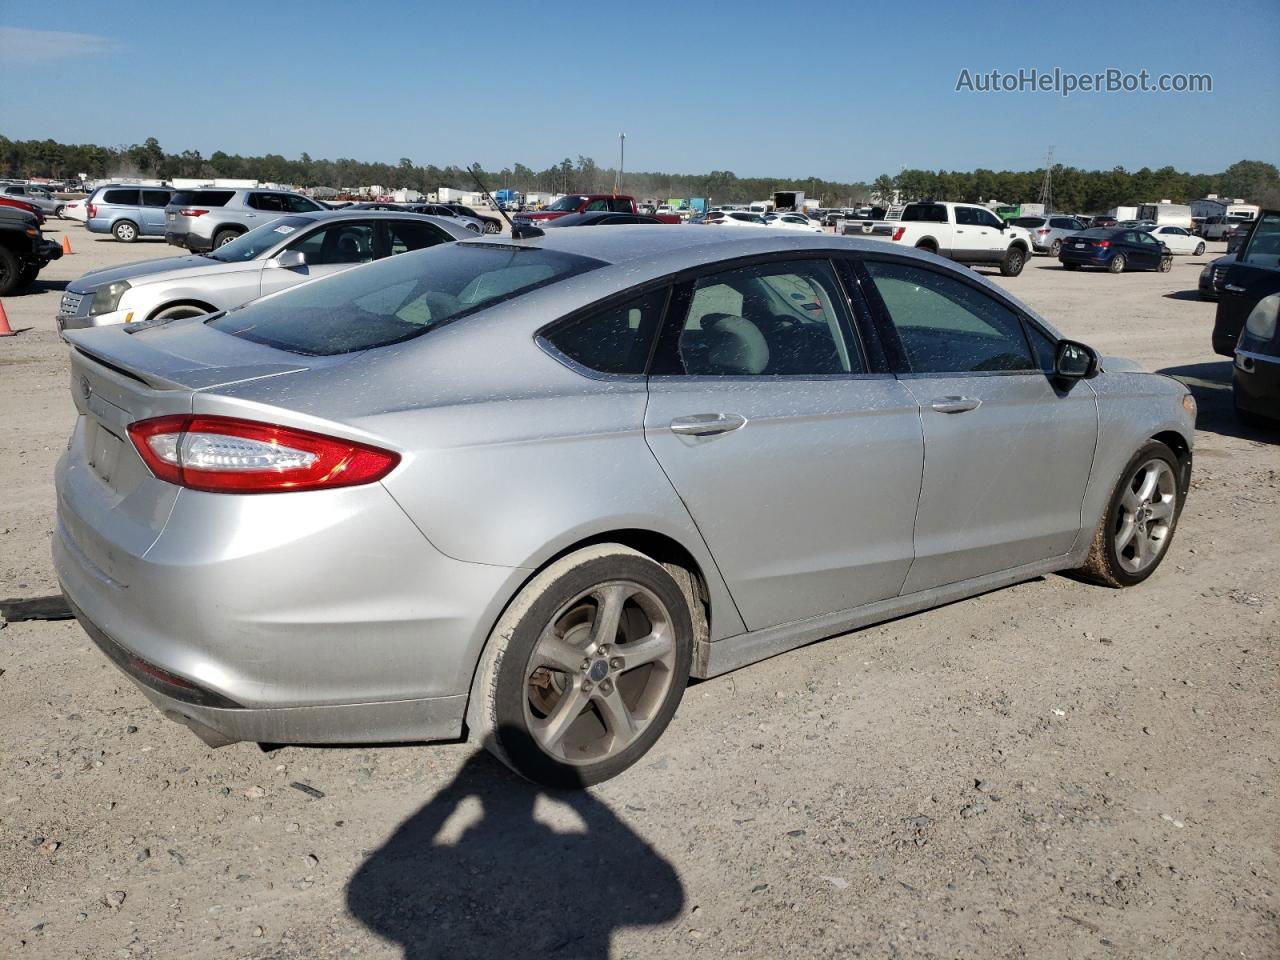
(148, 271)
(1114, 364)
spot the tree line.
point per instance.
(1073, 189)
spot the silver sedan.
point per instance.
(526, 488)
(273, 257)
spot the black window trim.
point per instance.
(900, 364)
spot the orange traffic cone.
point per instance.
(66, 244)
(5, 329)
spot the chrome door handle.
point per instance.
(955, 404)
(706, 424)
(1233, 288)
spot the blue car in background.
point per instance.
(1116, 249)
(128, 212)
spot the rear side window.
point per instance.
(398, 298)
(615, 340)
(124, 198)
(155, 198)
(947, 326)
(201, 198)
(619, 205)
(924, 213)
(406, 235)
(270, 202)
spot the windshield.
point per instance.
(398, 298)
(568, 203)
(251, 245)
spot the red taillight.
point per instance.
(229, 455)
(93, 210)
(897, 234)
(1102, 243)
(192, 212)
(1043, 230)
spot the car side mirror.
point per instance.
(1074, 361)
(289, 260)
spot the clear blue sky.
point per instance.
(842, 90)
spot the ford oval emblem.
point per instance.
(85, 387)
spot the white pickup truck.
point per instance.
(964, 232)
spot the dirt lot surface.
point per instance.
(1050, 770)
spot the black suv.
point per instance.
(23, 250)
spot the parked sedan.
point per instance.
(272, 257)
(1117, 249)
(736, 218)
(526, 490)
(793, 221)
(1178, 240)
(489, 224)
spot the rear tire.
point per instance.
(1166, 264)
(10, 272)
(57, 211)
(1055, 248)
(1199, 250)
(223, 237)
(1134, 534)
(1014, 261)
(1117, 264)
(544, 700)
(492, 228)
(126, 231)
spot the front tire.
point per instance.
(10, 272)
(179, 312)
(1199, 250)
(1117, 264)
(126, 231)
(1134, 535)
(585, 669)
(492, 228)
(58, 211)
(1014, 261)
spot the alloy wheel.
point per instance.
(599, 672)
(1145, 518)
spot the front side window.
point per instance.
(568, 204)
(397, 298)
(123, 198)
(1263, 249)
(985, 218)
(348, 242)
(615, 340)
(785, 318)
(947, 326)
(597, 205)
(296, 204)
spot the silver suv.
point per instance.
(200, 220)
(1047, 233)
(35, 195)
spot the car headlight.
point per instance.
(107, 298)
(1262, 318)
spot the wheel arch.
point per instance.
(182, 302)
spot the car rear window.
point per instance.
(126, 198)
(924, 213)
(399, 298)
(1027, 221)
(202, 198)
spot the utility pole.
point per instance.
(622, 154)
(1046, 187)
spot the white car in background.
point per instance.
(794, 221)
(1178, 240)
(76, 210)
(735, 218)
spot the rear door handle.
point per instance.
(706, 424)
(955, 404)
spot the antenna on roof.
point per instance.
(522, 232)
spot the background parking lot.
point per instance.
(1051, 769)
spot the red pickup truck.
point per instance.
(582, 203)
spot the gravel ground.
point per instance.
(1053, 769)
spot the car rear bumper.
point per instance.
(311, 617)
(1085, 257)
(188, 241)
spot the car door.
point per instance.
(991, 234)
(151, 212)
(1152, 247)
(261, 208)
(329, 249)
(797, 456)
(1254, 274)
(1007, 453)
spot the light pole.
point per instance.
(622, 154)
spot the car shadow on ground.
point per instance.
(46, 286)
(1210, 384)
(1185, 295)
(479, 872)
